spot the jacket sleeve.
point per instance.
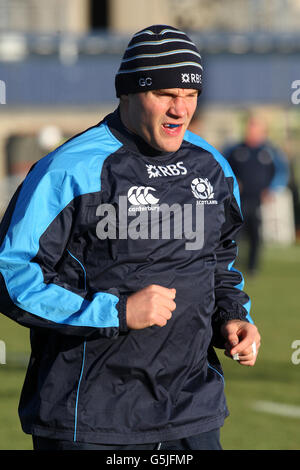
(27, 295)
(231, 300)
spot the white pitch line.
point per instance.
(280, 409)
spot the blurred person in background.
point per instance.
(123, 328)
(260, 169)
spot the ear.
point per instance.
(124, 109)
(124, 98)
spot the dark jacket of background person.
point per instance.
(260, 168)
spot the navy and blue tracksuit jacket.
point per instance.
(90, 378)
(257, 169)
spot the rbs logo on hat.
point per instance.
(190, 78)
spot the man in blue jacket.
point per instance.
(117, 252)
(260, 169)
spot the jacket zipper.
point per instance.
(83, 357)
(78, 390)
(217, 372)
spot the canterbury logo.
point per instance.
(141, 195)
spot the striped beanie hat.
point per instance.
(159, 57)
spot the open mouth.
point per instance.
(171, 126)
(172, 129)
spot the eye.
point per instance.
(164, 94)
(193, 95)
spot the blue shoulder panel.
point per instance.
(281, 175)
(71, 170)
(199, 142)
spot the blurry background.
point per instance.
(58, 60)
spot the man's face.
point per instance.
(256, 131)
(160, 117)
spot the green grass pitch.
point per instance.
(275, 294)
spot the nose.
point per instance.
(178, 107)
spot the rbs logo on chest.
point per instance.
(154, 171)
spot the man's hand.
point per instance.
(150, 306)
(242, 338)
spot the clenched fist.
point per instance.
(152, 305)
